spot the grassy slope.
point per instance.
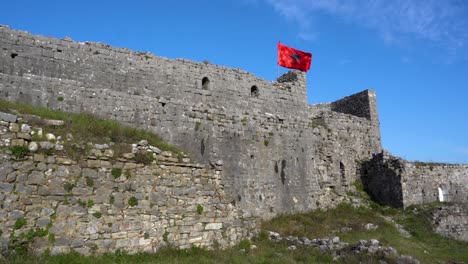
(424, 244)
(86, 128)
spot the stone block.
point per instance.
(213, 226)
(8, 117)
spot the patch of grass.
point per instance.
(116, 172)
(60, 98)
(87, 128)
(199, 209)
(266, 142)
(97, 215)
(89, 182)
(19, 223)
(143, 157)
(424, 244)
(133, 201)
(111, 199)
(19, 151)
(68, 186)
(90, 203)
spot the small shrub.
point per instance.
(19, 223)
(143, 157)
(116, 172)
(133, 201)
(97, 215)
(68, 186)
(199, 209)
(19, 151)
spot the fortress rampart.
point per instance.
(279, 154)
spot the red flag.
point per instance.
(293, 58)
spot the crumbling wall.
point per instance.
(451, 221)
(103, 203)
(400, 183)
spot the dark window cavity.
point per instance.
(205, 83)
(283, 173)
(254, 91)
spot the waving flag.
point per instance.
(293, 58)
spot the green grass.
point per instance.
(86, 128)
(424, 244)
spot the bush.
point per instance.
(116, 172)
(133, 201)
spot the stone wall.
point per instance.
(279, 154)
(401, 183)
(103, 203)
(451, 221)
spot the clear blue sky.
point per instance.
(413, 53)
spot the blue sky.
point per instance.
(413, 53)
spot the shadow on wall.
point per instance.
(382, 180)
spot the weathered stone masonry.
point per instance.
(103, 203)
(279, 154)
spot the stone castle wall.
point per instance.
(400, 183)
(279, 154)
(103, 203)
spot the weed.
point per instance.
(133, 201)
(51, 238)
(19, 223)
(266, 142)
(197, 125)
(111, 199)
(165, 236)
(146, 235)
(116, 172)
(90, 203)
(89, 182)
(97, 215)
(60, 98)
(68, 186)
(19, 151)
(199, 209)
(143, 157)
(127, 173)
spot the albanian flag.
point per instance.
(293, 58)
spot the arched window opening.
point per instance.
(254, 91)
(205, 83)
